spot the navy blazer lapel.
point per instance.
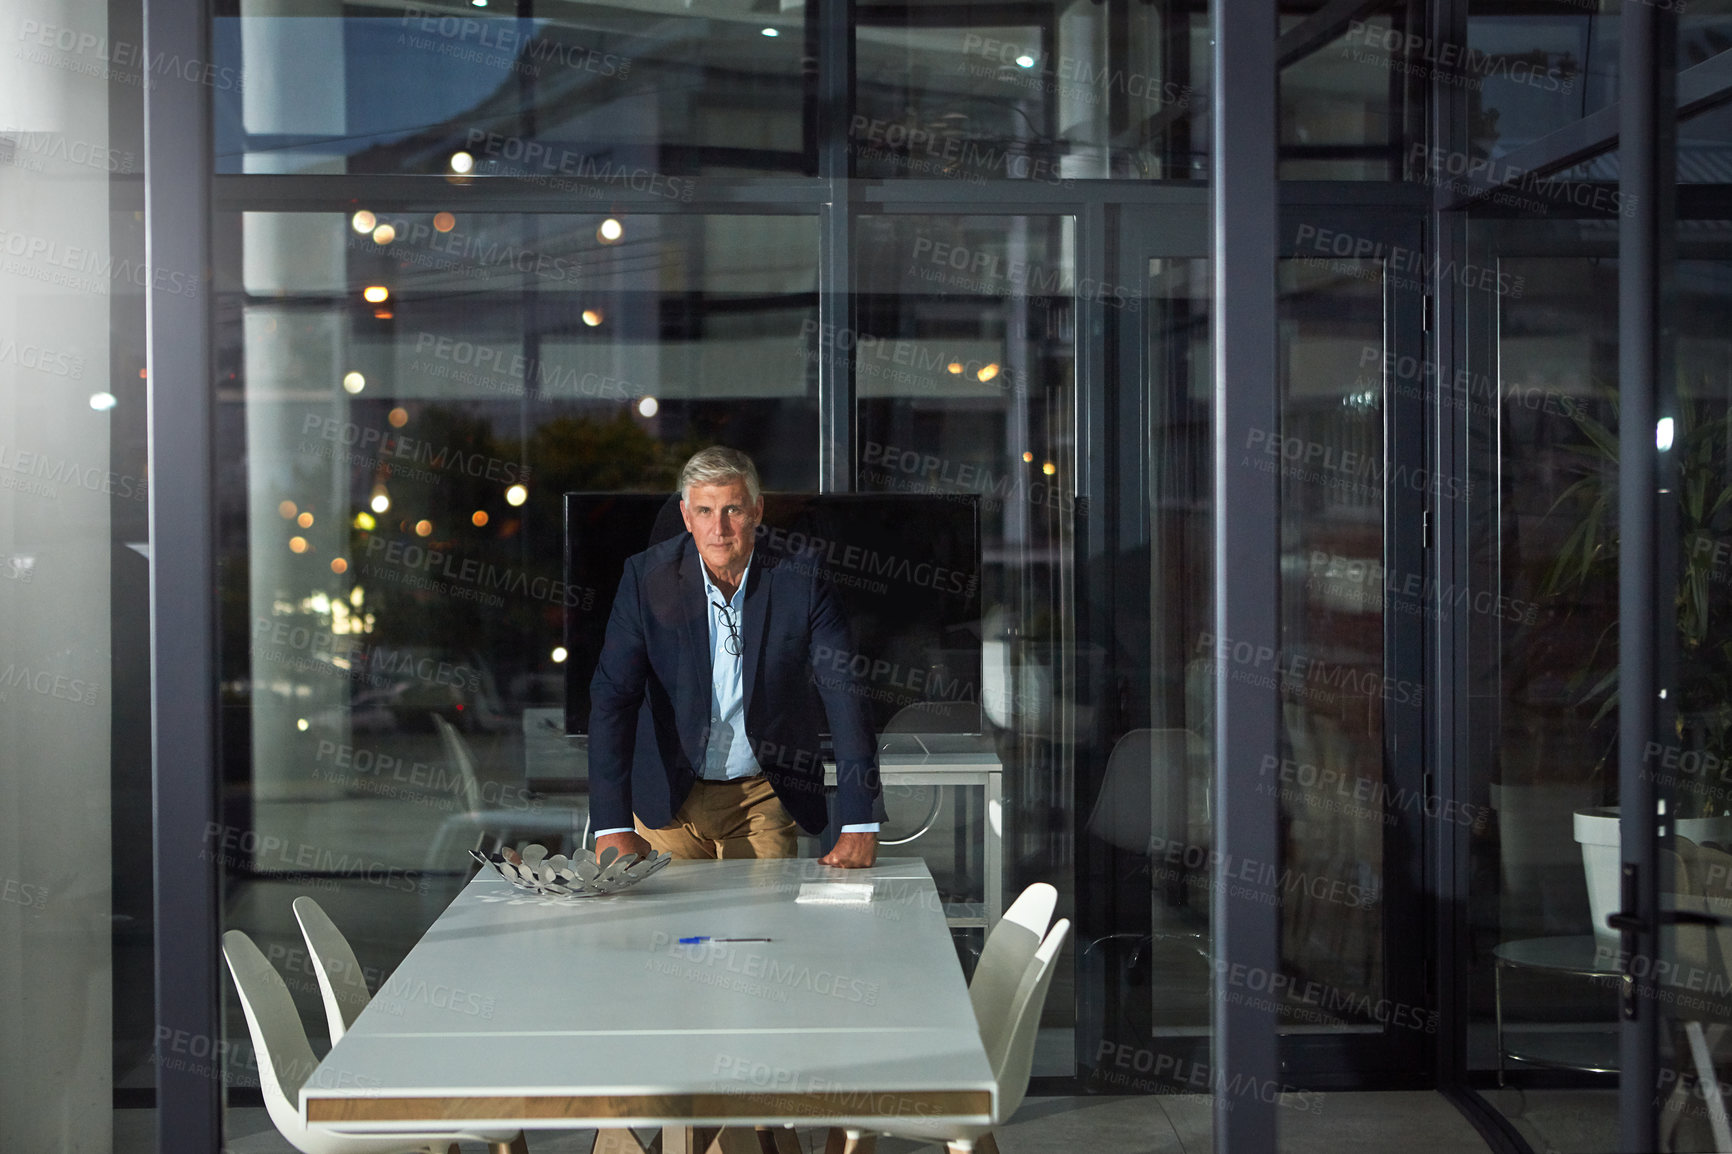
(695, 621)
(754, 620)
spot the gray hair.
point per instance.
(717, 465)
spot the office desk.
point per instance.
(558, 764)
(519, 1012)
(953, 759)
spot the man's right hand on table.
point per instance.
(626, 841)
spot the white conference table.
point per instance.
(515, 1011)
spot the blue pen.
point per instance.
(706, 938)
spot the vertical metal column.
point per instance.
(1645, 176)
(1448, 567)
(835, 52)
(1242, 247)
(177, 177)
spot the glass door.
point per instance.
(1352, 991)
(1543, 406)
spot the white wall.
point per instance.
(56, 1056)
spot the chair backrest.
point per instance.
(285, 1058)
(341, 983)
(1018, 1062)
(1004, 959)
(458, 754)
(1702, 881)
(1155, 792)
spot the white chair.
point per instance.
(341, 983)
(343, 986)
(559, 821)
(1009, 947)
(1011, 1055)
(286, 1061)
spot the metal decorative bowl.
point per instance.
(584, 876)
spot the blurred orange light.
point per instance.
(423, 528)
(339, 566)
(1028, 456)
(305, 520)
(297, 544)
(376, 294)
(592, 317)
(398, 417)
(444, 222)
(479, 518)
(384, 234)
(288, 510)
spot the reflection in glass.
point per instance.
(1346, 106)
(1332, 782)
(390, 647)
(1545, 444)
(984, 93)
(642, 96)
(965, 382)
(1179, 757)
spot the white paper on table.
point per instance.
(835, 892)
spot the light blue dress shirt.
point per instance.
(728, 753)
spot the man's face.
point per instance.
(723, 522)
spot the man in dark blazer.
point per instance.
(702, 736)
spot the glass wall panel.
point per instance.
(1543, 424)
(1541, 402)
(1334, 785)
(1692, 760)
(1042, 91)
(1347, 992)
(1179, 756)
(1057, 92)
(1532, 68)
(77, 922)
(1545, 452)
(640, 95)
(965, 376)
(1704, 139)
(1348, 107)
(392, 519)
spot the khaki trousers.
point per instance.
(726, 819)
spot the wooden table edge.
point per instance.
(860, 1104)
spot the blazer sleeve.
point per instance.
(616, 694)
(859, 796)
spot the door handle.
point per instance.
(1629, 923)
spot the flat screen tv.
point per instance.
(905, 566)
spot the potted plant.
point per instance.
(1699, 754)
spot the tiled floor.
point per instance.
(1572, 1121)
(1158, 1124)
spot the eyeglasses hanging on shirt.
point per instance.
(730, 643)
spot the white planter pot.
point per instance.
(1597, 831)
